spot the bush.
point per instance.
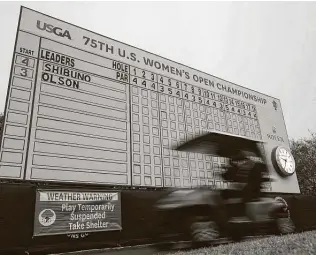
(304, 153)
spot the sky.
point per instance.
(269, 47)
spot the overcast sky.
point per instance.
(269, 47)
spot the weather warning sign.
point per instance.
(84, 108)
(60, 212)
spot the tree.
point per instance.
(304, 153)
(1, 125)
(1, 122)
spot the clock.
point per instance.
(284, 161)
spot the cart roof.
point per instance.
(220, 144)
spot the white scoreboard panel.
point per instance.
(85, 108)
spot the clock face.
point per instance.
(285, 160)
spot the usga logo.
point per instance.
(51, 29)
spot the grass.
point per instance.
(298, 244)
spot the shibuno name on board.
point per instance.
(64, 76)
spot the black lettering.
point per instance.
(133, 56)
(123, 77)
(66, 72)
(47, 67)
(68, 82)
(165, 67)
(148, 61)
(45, 76)
(58, 31)
(26, 51)
(119, 66)
(61, 81)
(42, 54)
(67, 34)
(178, 72)
(62, 59)
(122, 54)
(67, 62)
(38, 25)
(73, 83)
(109, 49)
(25, 61)
(48, 78)
(87, 78)
(87, 39)
(55, 69)
(157, 65)
(49, 28)
(23, 72)
(94, 43)
(101, 45)
(57, 58)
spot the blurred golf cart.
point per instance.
(204, 214)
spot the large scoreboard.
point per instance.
(84, 108)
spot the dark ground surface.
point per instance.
(123, 251)
(141, 250)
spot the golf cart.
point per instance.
(204, 214)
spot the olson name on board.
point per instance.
(60, 75)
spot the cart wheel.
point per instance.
(162, 247)
(235, 232)
(204, 231)
(285, 226)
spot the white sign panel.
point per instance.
(85, 108)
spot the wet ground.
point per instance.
(146, 249)
(125, 251)
(137, 250)
(143, 250)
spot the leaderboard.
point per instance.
(75, 115)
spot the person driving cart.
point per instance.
(247, 176)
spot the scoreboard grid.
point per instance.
(163, 112)
(102, 120)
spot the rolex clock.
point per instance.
(284, 160)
